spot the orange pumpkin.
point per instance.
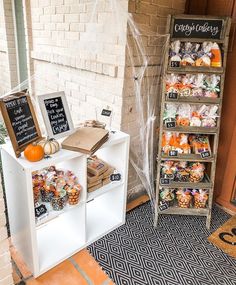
(34, 152)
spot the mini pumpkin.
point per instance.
(50, 146)
(34, 152)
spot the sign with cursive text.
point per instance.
(56, 114)
(197, 28)
(20, 120)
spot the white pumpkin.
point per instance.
(50, 146)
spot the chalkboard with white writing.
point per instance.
(197, 28)
(20, 120)
(56, 114)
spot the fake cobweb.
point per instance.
(131, 90)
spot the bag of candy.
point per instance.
(209, 116)
(184, 198)
(172, 85)
(200, 198)
(204, 57)
(216, 60)
(183, 144)
(197, 172)
(198, 85)
(175, 57)
(167, 195)
(169, 113)
(185, 87)
(211, 85)
(183, 115)
(187, 52)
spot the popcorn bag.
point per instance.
(184, 198)
(200, 198)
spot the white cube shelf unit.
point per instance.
(46, 243)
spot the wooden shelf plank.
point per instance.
(195, 40)
(195, 69)
(195, 130)
(195, 100)
(185, 211)
(187, 157)
(204, 184)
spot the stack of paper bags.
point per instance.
(86, 140)
(98, 173)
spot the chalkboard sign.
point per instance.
(197, 28)
(21, 122)
(56, 114)
(172, 95)
(163, 206)
(115, 177)
(171, 124)
(205, 154)
(106, 112)
(173, 153)
(165, 181)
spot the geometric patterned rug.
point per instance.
(175, 253)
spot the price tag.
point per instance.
(170, 125)
(115, 177)
(172, 95)
(165, 181)
(40, 210)
(106, 112)
(205, 154)
(163, 206)
(169, 176)
(173, 153)
(175, 63)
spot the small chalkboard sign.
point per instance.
(56, 114)
(172, 95)
(115, 177)
(175, 63)
(202, 28)
(205, 154)
(40, 210)
(165, 181)
(163, 206)
(20, 120)
(170, 125)
(106, 112)
(173, 153)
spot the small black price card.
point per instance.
(172, 95)
(163, 206)
(173, 153)
(115, 177)
(106, 112)
(169, 176)
(170, 125)
(205, 154)
(165, 181)
(40, 210)
(175, 63)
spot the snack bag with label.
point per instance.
(183, 115)
(212, 86)
(175, 57)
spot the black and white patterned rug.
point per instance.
(175, 253)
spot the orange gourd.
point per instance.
(34, 152)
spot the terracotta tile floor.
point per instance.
(80, 269)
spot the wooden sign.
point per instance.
(20, 120)
(197, 28)
(56, 114)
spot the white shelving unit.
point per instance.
(63, 233)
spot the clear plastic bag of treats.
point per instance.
(166, 137)
(209, 117)
(168, 170)
(170, 113)
(199, 143)
(204, 55)
(197, 172)
(183, 115)
(212, 86)
(196, 119)
(200, 198)
(185, 87)
(187, 52)
(167, 195)
(183, 144)
(172, 86)
(198, 85)
(175, 57)
(184, 198)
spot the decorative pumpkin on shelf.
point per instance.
(50, 146)
(34, 152)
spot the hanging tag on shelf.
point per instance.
(40, 211)
(115, 177)
(172, 95)
(163, 206)
(170, 125)
(106, 112)
(165, 181)
(173, 153)
(205, 154)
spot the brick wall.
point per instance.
(76, 47)
(150, 17)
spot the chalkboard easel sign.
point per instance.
(199, 28)
(20, 120)
(56, 114)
